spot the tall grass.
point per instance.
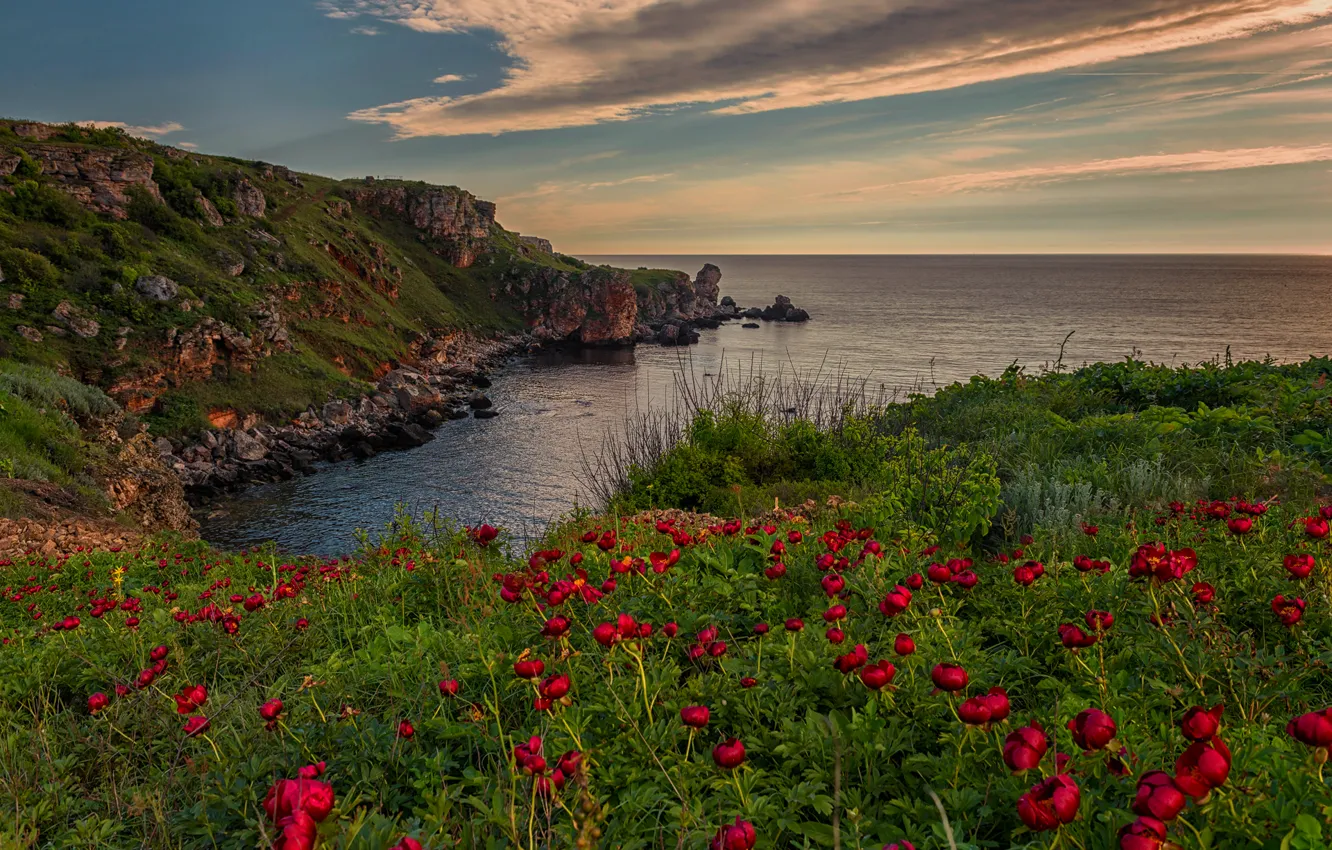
(826, 397)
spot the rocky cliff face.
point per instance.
(601, 307)
(211, 349)
(98, 178)
(453, 223)
(592, 307)
(680, 299)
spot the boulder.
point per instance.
(750, 325)
(486, 413)
(669, 335)
(156, 287)
(249, 199)
(753, 313)
(15, 301)
(796, 314)
(479, 401)
(727, 301)
(246, 447)
(336, 413)
(68, 315)
(30, 334)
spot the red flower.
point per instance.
(529, 669)
(795, 624)
(852, 660)
(1024, 575)
(190, 699)
(760, 629)
(255, 602)
(1158, 796)
(1075, 638)
(878, 675)
(1313, 729)
(1099, 621)
(914, 581)
(1085, 564)
(407, 844)
(974, 712)
(483, 535)
(97, 702)
(556, 628)
(286, 797)
(1090, 530)
(605, 634)
(270, 711)
(302, 624)
(406, 730)
(776, 571)
(1289, 610)
(832, 584)
(1200, 724)
(939, 574)
(695, 716)
(661, 562)
(1145, 833)
(835, 635)
(1299, 565)
(449, 688)
(997, 700)
(904, 645)
(1050, 804)
(1025, 746)
(834, 613)
(748, 682)
(670, 630)
(897, 601)
(1203, 593)
(554, 687)
(299, 831)
(1316, 527)
(158, 653)
(606, 541)
(949, 677)
(1092, 729)
(900, 845)
(1203, 766)
(729, 753)
(196, 725)
(734, 836)
(1239, 525)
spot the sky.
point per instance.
(743, 126)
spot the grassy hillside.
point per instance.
(352, 290)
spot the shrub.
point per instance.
(41, 202)
(29, 272)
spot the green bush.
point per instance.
(27, 271)
(41, 202)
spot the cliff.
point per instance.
(202, 291)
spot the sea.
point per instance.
(899, 323)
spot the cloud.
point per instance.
(451, 78)
(1165, 163)
(147, 132)
(564, 188)
(187, 145)
(580, 62)
(365, 31)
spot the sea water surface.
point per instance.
(901, 321)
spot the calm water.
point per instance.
(900, 321)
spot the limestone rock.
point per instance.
(247, 447)
(452, 222)
(15, 301)
(157, 287)
(210, 213)
(249, 199)
(30, 334)
(98, 178)
(66, 314)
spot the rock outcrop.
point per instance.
(595, 307)
(538, 243)
(98, 178)
(781, 310)
(453, 223)
(210, 349)
(249, 199)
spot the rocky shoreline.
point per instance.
(446, 382)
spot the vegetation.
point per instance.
(40, 437)
(1019, 633)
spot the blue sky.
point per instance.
(745, 126)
